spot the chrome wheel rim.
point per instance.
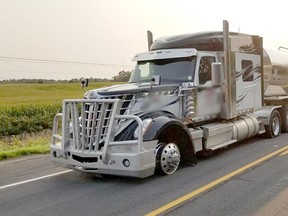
(170, 158)
(276, 125)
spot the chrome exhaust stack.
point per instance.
(228, 110)
(149, 39)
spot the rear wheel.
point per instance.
(274, 127)
(167, 158)
(284, 118)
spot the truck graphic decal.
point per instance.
(247, 73)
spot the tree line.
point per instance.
(123, 76)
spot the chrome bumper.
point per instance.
(79, 147)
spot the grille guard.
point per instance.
(88, 123)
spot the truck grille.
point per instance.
(128, 101)
(92, 122)
(96, 121)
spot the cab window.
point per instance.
(247, 68)
(205, 73)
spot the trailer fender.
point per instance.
(264, 113)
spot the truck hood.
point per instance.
(131, 88)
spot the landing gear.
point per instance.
(167, 158)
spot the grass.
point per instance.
(15, 147)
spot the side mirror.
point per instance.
(84, 83)
(156, 80)
(216, 73)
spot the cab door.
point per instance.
(208, 100)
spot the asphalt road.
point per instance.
(249, 193)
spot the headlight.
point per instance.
(146, 124)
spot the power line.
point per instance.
(36, 60)
(40, 72)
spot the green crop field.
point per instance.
(12, 95)
(29, 108)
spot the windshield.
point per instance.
(171, 70)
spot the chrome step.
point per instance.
(222, 145)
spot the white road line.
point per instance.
(34, 179)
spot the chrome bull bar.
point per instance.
(90, 125)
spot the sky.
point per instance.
(107, 33)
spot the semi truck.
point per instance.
(188, 95)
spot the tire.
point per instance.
(284, 118)
(274, 127)
(167, 158)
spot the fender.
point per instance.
(159, 124)
(128, 132)
(264, 113)
(166, 128)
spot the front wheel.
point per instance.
(167, 158)
(274, 127)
